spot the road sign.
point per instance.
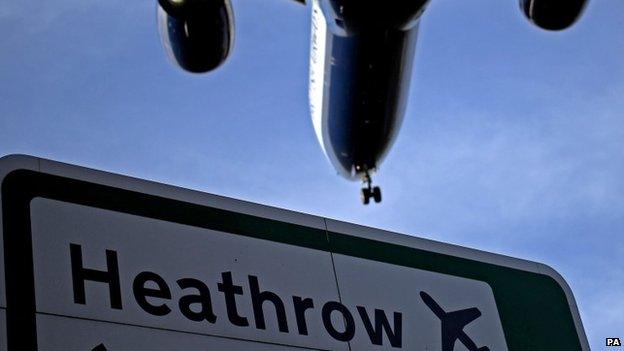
(97, 261)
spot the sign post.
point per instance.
(96, 261)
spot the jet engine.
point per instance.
(198, 35)
(553, 14)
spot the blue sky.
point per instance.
(512, 142)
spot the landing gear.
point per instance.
(369, 191)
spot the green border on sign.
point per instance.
(533, 307)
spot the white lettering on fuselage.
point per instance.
(317, 69)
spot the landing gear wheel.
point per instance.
(377, 194)
(369, 191)
(366, 195)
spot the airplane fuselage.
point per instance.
(360, 69)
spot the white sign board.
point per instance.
(96, 261)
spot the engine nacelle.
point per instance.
(198, 35)
(553, 14)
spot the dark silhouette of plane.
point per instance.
(453, 324)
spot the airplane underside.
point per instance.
(359, 100)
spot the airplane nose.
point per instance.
(368, 80)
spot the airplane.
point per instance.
(453, 324)
(361, 57)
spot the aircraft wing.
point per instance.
(462, 318)
(453, 329)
